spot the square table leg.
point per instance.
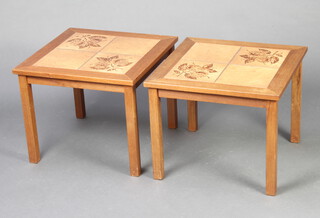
(172, 113)
(132, 130)
(156, 134)
(271, 147)
(80, 107)
(29, 119)
(296, 105)
(192, 116)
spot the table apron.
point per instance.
(76, 84)
(213, 98)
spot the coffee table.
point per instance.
(226, 72)
(97, 60)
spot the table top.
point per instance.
(98, 56)
(241, 69)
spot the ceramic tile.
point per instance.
(111, 63)
(260, 57)
(211, 52)
(240, 75)
(86, 42)
(195, 71)
(130, 46)
(61, 58)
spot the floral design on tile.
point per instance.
(262, 55)
(112, 63)
(87, 41)
(194, 71)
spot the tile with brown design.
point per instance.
(211, 52)
(111, 63)
(265, 57)
(86, 42)
(130, 46)
(61, 58)
(195, 71)
(249, 76)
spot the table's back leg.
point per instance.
(156, 134)
(296, 105)
(172, 113)
(79, 103)
(192, 115)
(132, 130)
(271, 147)
(29, 119)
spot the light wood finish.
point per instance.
(132, 130)
(172, 113)
(209, 52)
(283, 60)
(65, 59)
(29, 120)
(192, 116)
(79, 103)
(97, 60)
(76, 84)
(156, 134)
(213, 98)
(296, 105)
(229, 72)
(271, 148)
(247, 76)
(82, 62)
(129, 45)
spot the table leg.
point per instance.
(156, 134)
(271, 147)
(132, 130)
(29, 119)
(296, 105)
(172, 113)
(192, 116)
(79, 103)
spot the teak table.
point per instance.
(227, 72)
(98, 60)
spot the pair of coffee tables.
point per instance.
(219, 71)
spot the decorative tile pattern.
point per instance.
(86, 42)
(227, 64)
(196, 71)
(110, 63)
(260, 57)
(99, 53)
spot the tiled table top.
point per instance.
(88, 54)
(229, 68)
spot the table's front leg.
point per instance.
(271, 147)
(156, 134)
(296, 105)
(29, 119)
(79, 103)
(132, 130)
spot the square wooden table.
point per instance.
(227, 72)
(97, 60)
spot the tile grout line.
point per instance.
(216, 62)
(228, 64)
(95, 54)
